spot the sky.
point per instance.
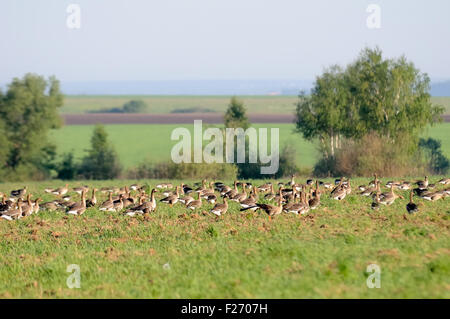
(136, 40)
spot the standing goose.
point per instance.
(13, 213)
(78, 208)
(118, 204)
(19, 192)
(171, 199)
(411, 207)
(220, 209)
(315, 202)
(376, 203)
(240, 196)
(93, 201)
(250, 201)
(195, 203)
(36, 206)
(142, 208)
(423, 184)
(389, 197)
(107, 205)
(27, 209)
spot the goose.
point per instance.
(389, 197)
(348, 187)
(374, 182)
(297, 208)
(327, 185)
(61, 191)
(211, 198)
(186, 189)
(5, 204)
(405, 186)
(220, 209)
(118, 204)
(292, 182)
(143, 207)
(128, 200)
(50, 206)
(434, 196)
(376, 204)
(270, 210)
(78, 208)
(36, 207)
(315, 202)
(186, 199)
(195, 203)
(444, 181)
(420, 192)
(171, 199)
(240, 196)
(134, 187)
(265, 187)
(13, 213)
(107, 205)
(27, 208)
(79, 190)
(271, 195)
(207, 191)
(339, 192)
(411, 207)
(233, 192)
(93, 201)
(423, 184)
(19, 192)
(250, 201)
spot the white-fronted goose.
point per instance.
(220, 208)
(411, 207)
(13, 213)
(171, 199)
(78, 208)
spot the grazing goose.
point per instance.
(134, 187)
(265, 187)
(433, 196)
(78, 208)
(171, 199)
(93, 201)
(423, 184)
(13, 213)
(186, 199)
(270, 210)
(405, 186)
(211, 198)
(220, 209)
(61, 191)
(327, 185)
(19, 192)
(411, 207)
(444, 181)
(79, 190)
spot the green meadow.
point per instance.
(166, 104)
(138, 143)
(175, 253)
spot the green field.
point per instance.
(166, 104)
(178, 254)
(138, 143)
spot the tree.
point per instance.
(101, 161)
(134, 106)
(67, 169)
(235, 116)
(437, 162)
(30, 109)
(389, 97)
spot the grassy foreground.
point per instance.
(177, 254)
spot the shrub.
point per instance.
(172, 170)
(437, 162)
(67, 169)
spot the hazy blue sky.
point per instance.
(214, 39)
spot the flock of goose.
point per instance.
(290, 197)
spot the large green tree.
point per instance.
(29, 109)
(388, 97)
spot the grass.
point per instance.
(138, 143)
(177, 254)
(74, 104)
